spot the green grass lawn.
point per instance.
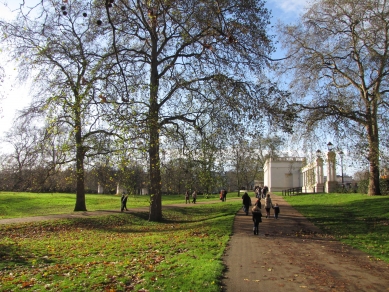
(125, 252)
(16, 205)
(355, 219)
(122, 252)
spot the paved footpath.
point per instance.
(291, 254)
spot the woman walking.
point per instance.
(246, 201)
(268, 205)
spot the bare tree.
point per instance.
(59, 48)
(339, 54)
(185, 64)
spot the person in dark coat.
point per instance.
(224, 195)
(265, 190)
(246, 200)
(124, 202)
(276, 210)
(257, 217)
(258, 203)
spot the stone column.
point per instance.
(100, 189)
(319, 171)
(331, 183)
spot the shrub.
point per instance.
(363, 186)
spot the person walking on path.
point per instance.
(268, 205)
(258, 203)
(187, 199)
(276, 210)
(194, 197)
(246, 200)
(124, 202)
(265, 190)
(256, 211)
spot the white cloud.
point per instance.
(290, 6)
(288, 10)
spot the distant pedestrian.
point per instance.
(224, 195)
(194, 197)
(276, 210)
(257, 217)
(258, 203)
(258, 192)
(187, 197)
(124, 202)
(268, 205)
(246, 201)
(265, 190)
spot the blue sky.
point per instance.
(16, 96)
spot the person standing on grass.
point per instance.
(187, 199)
(246, 201)
(194, 197)
(123, 202)
(276, 210)
(268, 205)
(257, 217)
(224, 195)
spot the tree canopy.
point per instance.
(338, 54)
(149, 71)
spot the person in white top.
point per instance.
(268, 205)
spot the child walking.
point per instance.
(276, 210)
(256, 211)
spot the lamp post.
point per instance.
(329, 146)
(341, 163)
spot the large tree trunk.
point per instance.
(80, 154)
(155, 213)
(374, 170)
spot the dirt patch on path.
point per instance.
(291, 254)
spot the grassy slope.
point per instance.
(358, 220)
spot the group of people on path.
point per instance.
(256, 210)
(261, 192)
(187, 197)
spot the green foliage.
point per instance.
(122, 252)
(355, 219)
(363, 186)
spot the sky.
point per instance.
(16, 96)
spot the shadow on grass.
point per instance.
(11, 255)
(355, 217)
(182, 217)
